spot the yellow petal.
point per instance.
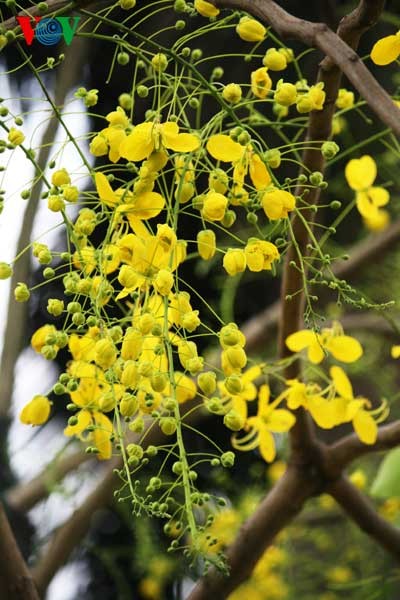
(316, 352)
(281, 420)
(322, 411)
(84, 420)
(379, 196)
(296, 342)
(342, 382)
(259, 173)
(104, 190)
(344, 348)
(364, 205)
(36, 412)
(361, 172)
(147, 206)
(139, 144)
(365, 427)
(386, 50)
(267, 445)
(102, 436)
(184, 142)
(222, 147)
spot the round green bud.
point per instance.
(177, 468)
(228, 459)
(252, 218)
(244, 138)
(55, 307)
(78, 319)
(329, 150)
(25, 194)
(180, 24)
(142, 91)
(22, 293)
(215, 462)
(316, 178)
(49, 352)
(127, 4)
(122, 58)
(59, 389)
(125, 101)
(5, 270)
(234, 421)
(217, 73)
(152, 451)
(74, 307)
(48, 273)
(197, 54)
(42, 8)
(185, 52)
(335, 204)
(159, 62)
(180, 6)
(168, 425)
(137, 426)
(72, 385)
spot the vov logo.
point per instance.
(48, 31)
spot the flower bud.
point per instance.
(21, 292)
(206, 9)
(274, 60)
(105, 353)
(206, 244)
(55, 307)
(228, 459)
(98, 146)
(55, 203)
(60, 178)
(5, 270)
(15, 136)
(285, 94)
(168, 425)
(164, 282)
(159, 62)
(250, 30)
(128, 405)
(207, 382)
(233, 384)
(234, 261)
(234, 421)
(329, 150)
(232, 93)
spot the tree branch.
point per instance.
(362, 511)
(348, 448)
(16, 582)
(277, 510)
(25, 496)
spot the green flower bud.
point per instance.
(168, 425)
(329, 150)
(55, 307)
(316, 178)
(5, 270)
(207, 382)
(122, 58)
(234, 421)
(137, 426)
(228, 459)
(159, 62)
(273, 158)
(142, 91)
(59, 389)
(22, 293)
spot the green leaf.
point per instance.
(387, 480)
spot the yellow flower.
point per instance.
(345, 99)
(164, 282)
(331, 340)
(260, 255)
(275, 60)
(206, 244)
(232, 93)
(360, 174)
(101, 435)
(250, 30)
(136, 207)
(234, 261)
(60, 177)
(386, 50)
(38, 339)
(285, 94)
(260, 82)
(269, 420)
(277, 203)
(36, 412)
(245, 160)
(149, 137)
(395, 352)
(15, 136)
(206, 9)
(214, 206)
(353, 409)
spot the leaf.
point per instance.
(387, 480)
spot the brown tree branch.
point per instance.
(25, 496)
(277, 510)
(349, 448)
(16, 582)
(363, 513)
